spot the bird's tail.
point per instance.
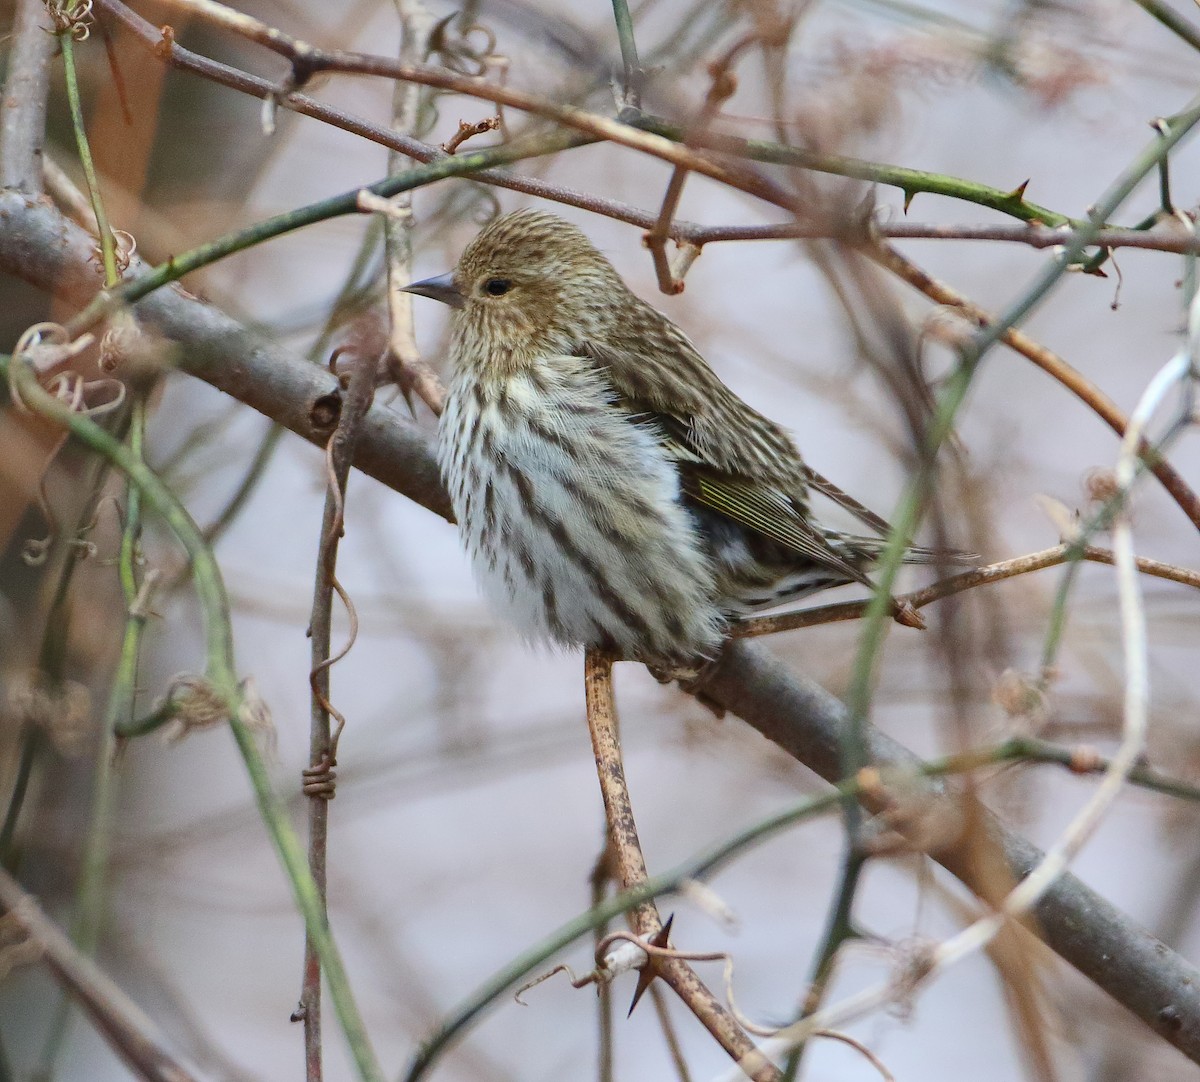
(869, 549)
(920, 554)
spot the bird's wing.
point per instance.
(768, 512)
(732, 459)
(655, 369)
(847, 502)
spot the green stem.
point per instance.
(108, 247)
(1056, 624)
(629, 54)
(222, 676)
(839, 928)
(249, 482)
(52, 655)
(1029, 749)
(1171, 20)
(335, 206)
(120, 702)
(908, 513)
(909, 181)
(88, 920)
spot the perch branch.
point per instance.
(630, 867)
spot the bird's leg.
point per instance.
(630, 867)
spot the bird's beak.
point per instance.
(441, 288)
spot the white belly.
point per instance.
(569, 510)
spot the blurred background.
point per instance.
(467, 817)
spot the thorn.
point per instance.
(650, 970)
(1018, 193)
(407, 394)
(908, 198)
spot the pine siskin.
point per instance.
(610, 489)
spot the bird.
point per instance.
(611, 491)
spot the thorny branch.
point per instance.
(630, 868)
(685, 233)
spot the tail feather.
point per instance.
(871, 548)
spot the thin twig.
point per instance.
(720, 90)
(861, 1049)
(674, 1048)
(598, 882)
(404, 361)
(248, 27)
(629, 865)
(128, 1031)
(1047, 361)
(467, 131)
(630, 868)
(755, 626)
(319, 776)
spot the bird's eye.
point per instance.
(497, 287)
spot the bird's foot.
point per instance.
(692, 678)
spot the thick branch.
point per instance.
(40, 246)
(23, 107)
(1136, 969)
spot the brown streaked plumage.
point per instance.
(610, 489)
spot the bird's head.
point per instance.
(529, 285)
